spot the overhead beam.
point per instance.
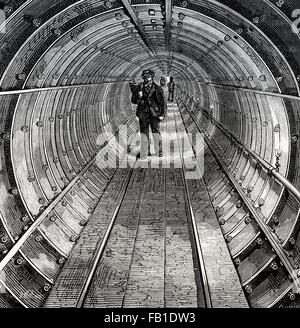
(132, 14)
(168, 18)
(168, 8)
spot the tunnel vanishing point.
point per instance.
(76, 234)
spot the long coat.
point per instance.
(153, 104)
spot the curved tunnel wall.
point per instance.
(50, 139)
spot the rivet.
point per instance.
(46, 287)
(15, 191)
(5, 136)
(108, 4)
(259, 241)
(255, 20)
(21, 76)
(4, 239)
(248, 288)
(25, 129)
(53, 218)
(8, 9)
(277, 128)
(118, 16)
(74, 38)
(237, 261)
(292, 296)
(42, 201)
(181, 16)
(240, 30)
(57, 32)
(31, 178)
(222, 221)
(61, 260)
(274, 266)
(239, 204)
(73, 239)
(45, 167)
(229, 238)
(24, 218)
(38, 238)
(19, 261)
(37, 22)
(83, 223)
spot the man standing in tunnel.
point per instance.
(151, 110)
(171, 88)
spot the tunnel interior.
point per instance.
(65, 72)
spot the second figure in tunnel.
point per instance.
(171, 89)
(151, 110)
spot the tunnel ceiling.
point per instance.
(64, 73)
(196, 39)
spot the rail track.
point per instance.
(272, 260)
(151, 252)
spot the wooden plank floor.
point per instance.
(150, 258)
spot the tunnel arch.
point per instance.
(50, 138)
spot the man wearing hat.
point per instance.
(151, 110)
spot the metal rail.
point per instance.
(270, 168)
(278, 249)
(260, 92)
(100, 249)
(205, 284)
(65, 87)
